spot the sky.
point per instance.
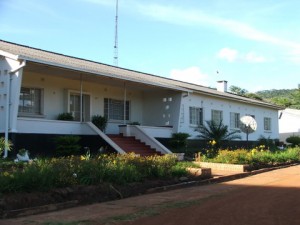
(253, 44)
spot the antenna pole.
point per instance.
(116, 37)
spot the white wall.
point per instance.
(161, 108)
(12, 82)
(55, 96)
(227, 106)
(38, 126)
(289, 123)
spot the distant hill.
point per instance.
(285, 97)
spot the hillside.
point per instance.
(284, 97)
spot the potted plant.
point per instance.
(100, 122)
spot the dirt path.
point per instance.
(267, 198)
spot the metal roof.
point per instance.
(79, 64)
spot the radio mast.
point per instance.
(116, 37)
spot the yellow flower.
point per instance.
(6, 173)
(213, 142)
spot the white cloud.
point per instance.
(191, 75)
(191, 17)
(232, 55)
(228, 54)
(254, 58)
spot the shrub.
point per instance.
(256, 158)
(42, 175)
(65, 116)
(267, 142)
(294, 140)
(67, 145)
(179, 140)
(100, 122)
(4, 144)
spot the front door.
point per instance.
(75, 106)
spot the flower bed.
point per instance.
(45, 174)
(256, 158)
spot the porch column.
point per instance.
(81, 99)
(7, 111)
(125, 95)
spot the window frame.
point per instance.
(198, 116)
(33, 112)
(213, 111)
(110, 112)
(235, 120)
(267, 124)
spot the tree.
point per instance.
(216, 134)
(237, 90)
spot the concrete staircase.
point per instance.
(130, 144)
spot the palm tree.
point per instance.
(217, 133)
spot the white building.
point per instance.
(37, 85)
(289, 123)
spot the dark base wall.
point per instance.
(44, 145)
(200, 145)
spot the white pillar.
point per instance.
(125, 96)
(81, 100)
(7, 112)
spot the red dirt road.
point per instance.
(267, 198)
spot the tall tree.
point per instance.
(237, 90)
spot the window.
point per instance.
(267, 124)
(75, 106)
(30, 101)
(216, 116)
(234, 120)
(114, 109)
(196, 116)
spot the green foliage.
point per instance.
(216, 134)
(4, 144)
(285, 97)
(237, 90)
(256, 158)
(67, 145)
(253, 96)
(294, 140)
(100, 122)
(179, 140)
(268, 143)
(65, 116)
(45, 174)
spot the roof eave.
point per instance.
(101, 73)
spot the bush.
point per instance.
(43, 175)
(4, 144)
(256, 158)
(100, 122)
(179, 140)
(67, 145)
(65, 116)
(267, 142)
(294, 140)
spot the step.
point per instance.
(131, 144)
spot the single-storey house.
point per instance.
(37, 85)
(289, 123)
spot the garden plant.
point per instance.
(45, 174)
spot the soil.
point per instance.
(267, 198)
(82, 195)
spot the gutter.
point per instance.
(8, 103)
